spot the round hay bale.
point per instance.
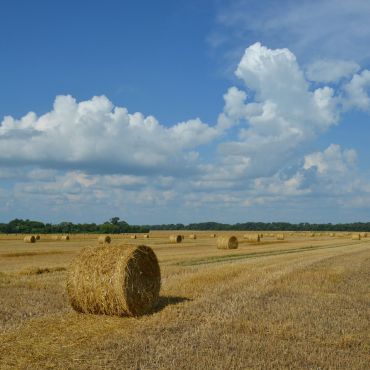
(280, 237)
(227, 242)
(363, 235)
(104, 239)
(192, 236)
(37, 237)
(356, 237)
(64, 237)
(55, 237)
(114, 280)
(175, 238)
(29, 239)
(146, 236)
(213, 235)
(133, 236)
(254, 238)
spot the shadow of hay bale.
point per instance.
(165, 301)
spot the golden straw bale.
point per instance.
(213, 235)
(146, 236)
(254, 238)
(55, 237)
(227, 242)
(114, 280)
(280, 237)
(29, 239)
(104, 239)
(363, 235)
(356, 237)
(175, 238)
(37, 237)
(192, 236)
(64, 237)
(133, 236)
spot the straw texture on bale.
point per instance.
(280, 237)
(213, 235)
(30, 239)
(133, 236)
(356, 237)
(363, 235)
(146, 236)
(104, 239)
(192, 236)
(64, 237)
(114, 280)
(175, 238)
(37, 237)
(227, 242)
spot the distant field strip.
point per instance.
(235, 257)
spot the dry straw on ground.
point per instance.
(175, 238)
(227, 242)
(104, 239)
(29, 239)
(114, 280)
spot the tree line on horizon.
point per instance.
(117, 226)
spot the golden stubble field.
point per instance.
(298, 303)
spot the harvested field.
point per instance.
(299, 303)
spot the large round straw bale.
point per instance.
(29, 239)
(227, 242)
(146, 236)
(192, 236)
(280, 237)
(363, 235)
(356, 237)
(37, 237)
(64, 237)
(213, 235)
(133, 236)
(175, 238)
(254, 238)
(104, 239)
(114, 280)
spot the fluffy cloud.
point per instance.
(356, 92)
(95, 135)
(284, 114)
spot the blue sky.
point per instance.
(162, 112)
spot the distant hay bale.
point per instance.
(280, 237)
(146, 236)
(356, 237)
(175, 238)
(255, 238)
(213, 235)
(37, 237)
(312, 235)
(29, 239)
(114, 280)
(227, 242)
(64, 237)
(133, 236)
(192, 236)
(55, 237)
(332, 234)
(363, 235)
(104, 239)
